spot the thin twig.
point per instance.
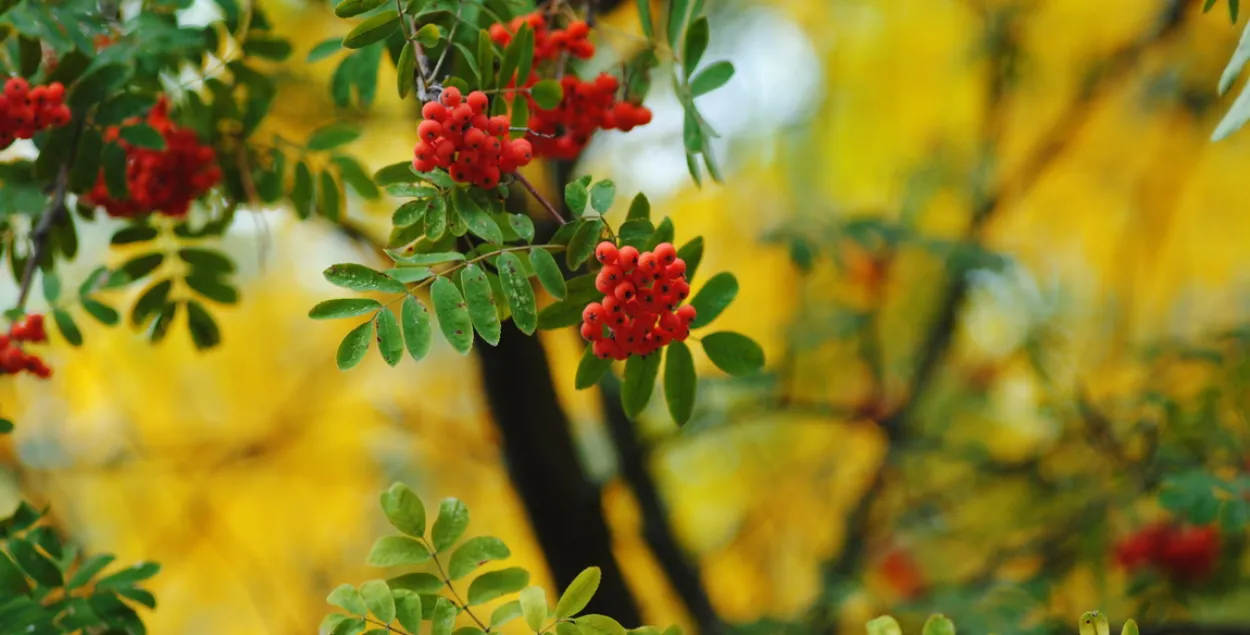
(42, 233)
(451, 37)
(386, 626)
(447, 581)
(539, 197)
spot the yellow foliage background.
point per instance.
(251, 472)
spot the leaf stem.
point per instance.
(42, 233)
(451, 36)
(447, 580)
(529, 187)
(386, 626)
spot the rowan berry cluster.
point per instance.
(548, 43)
(641, 309)
(587, 106)
(1185, 554)
(13, 359)
(456, 135)
(165, 180)
(25, 111)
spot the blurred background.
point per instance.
(1000, 272)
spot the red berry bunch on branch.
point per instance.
(13, 359)
(25, 111)
(1184, 554)
(587, 106)
(549, 43)
(456, 135)
(165, 180)
(641, 309)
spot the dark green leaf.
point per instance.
(129, 576)
(354, 346)
(143, 136)
(547, 94)
(205, 333)
(406, 71)
(473, 553)
(680, 382)
(601, 195)
(453, 519)
(591, 369)
(69, 330)
(354, 175)
(709, 79)
(519, 292)
(520, 115)
(103, 313)
(151, 302)
(416, 328)
(212, 288)
(269, 48)
(496, 584)
(353, 8)
(395, 173)
(713, 298)
(302, 194)
(692, 254)
(134, 234)
(522, 225)
(677, 18)
(390, 340)
(436, 219)
(475, 218)
(373, 29)
(640, 375)
(361, 278)
(734, 353)
(88, 570)
(393, 551)
(164, 320)
(332, 136)
(584, 243)
(409, 213)
(576, 196)
(691, 133)
(86, 169)
(639, 208)
(636, 233)
(644, 17)
(206, 261)
(12, 581)
(432, 258)
(569, 311)
(114, 159)
(548, 272)
(481, 301)
(695, 45)
(329, 197)
(453, 315)
(429, 36)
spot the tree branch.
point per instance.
(529, 187)
(42, 233)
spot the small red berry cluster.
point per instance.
(548, 43)
(13, 359)
(587, 106)
(165, 180)
(456, 135)
(1185, 554)
(25, 111)
(641, 308)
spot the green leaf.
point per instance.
(353, 8)
(436, 219)
(938, 624)
(354, 175)
(390, 340)
(329, 197)
(523, 226)
(406, 70)
(576, 196)
(601, 195)
(548, 272)
(695, 45)
(143, 136)
(269, 48)
(677, 10)
(150, 302)
(86, 167)
(361, 278)
(519, 292)
(590, 369)
(206, 261)
(443, 618)
(429, 35)
(691, 133)
(350, 627)
(584, 243)
(520, 115)
(547, 94)
(639, 208)
(331, 136)
(432, 258)
(302, 194)
(408, 609)
(486, 59)
(480, 298)
(680, 382)
(579, 592)
(373, 29)
(453, 315)
(378, 598)
(734, 353)
(416, 328)
(409, 275)
(505, 613)
(884, 625)
(568, 312)
(713, 298)
(496, 584)
(404, 509)
(396, 173)
(473, 553)
(599, 624)
(346, 597)
(709, 79)
(212, 288)
(416, 583)
(453, 519)
(636, 233)
(354, 346)
(129, 576)
(644, 17)
(12, 581)
(692, 254)
(526, 37)
(476, 218)
(140, 266)
(114, 160)
(343, 308)
(87, 570)
(393, 551)
(205, 333)
(640, 375)
(65, 324)
(534, 607)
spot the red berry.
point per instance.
(592, 332)
(462, 114)
(522, 152)
(450, 97)
(603, 349)
(474, 138)
(606, 253)
(624, 292)
(429, 130)
(666, 253)
(577, 29)
(675, 270)
(499, 125)
(649, 263)
(593, 313)
(627, 257)
(478, 101)
(686, 314)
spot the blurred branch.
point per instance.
(1184, 628)
(41, 235)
